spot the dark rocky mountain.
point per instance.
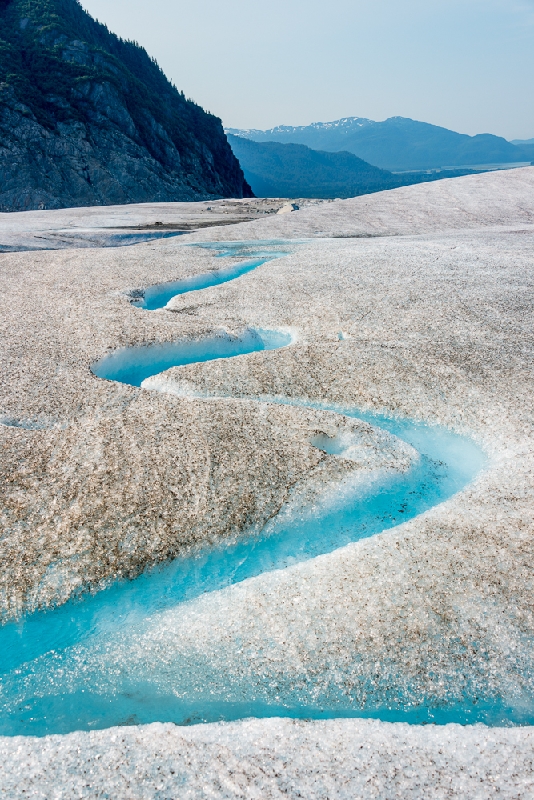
(294, 170)
(89, 119)
(397, 144)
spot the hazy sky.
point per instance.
(464, 64)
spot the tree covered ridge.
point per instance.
(51, 51)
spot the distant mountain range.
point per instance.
(294, 170)
(87, 118)
(398, 144)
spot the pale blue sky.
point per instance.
(464, 64)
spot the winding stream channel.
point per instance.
(70, 668)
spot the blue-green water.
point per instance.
(158, 296)
(132, 365)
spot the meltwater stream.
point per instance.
(158, 296)
(132, 365)
(77, 667)
(59, 677)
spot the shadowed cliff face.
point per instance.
(88, 119)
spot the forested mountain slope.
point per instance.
(87, 118)
(294, 170)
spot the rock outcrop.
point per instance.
(89, 119)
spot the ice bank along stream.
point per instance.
(88, 663)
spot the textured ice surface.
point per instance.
(437, 326)
(471, 202)
(79, 238)
(274, 759)
(117, 226)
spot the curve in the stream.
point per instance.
(61, 670)
(133, 365)
(160, 294)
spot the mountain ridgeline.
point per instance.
(87, 118)
(398, 144)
